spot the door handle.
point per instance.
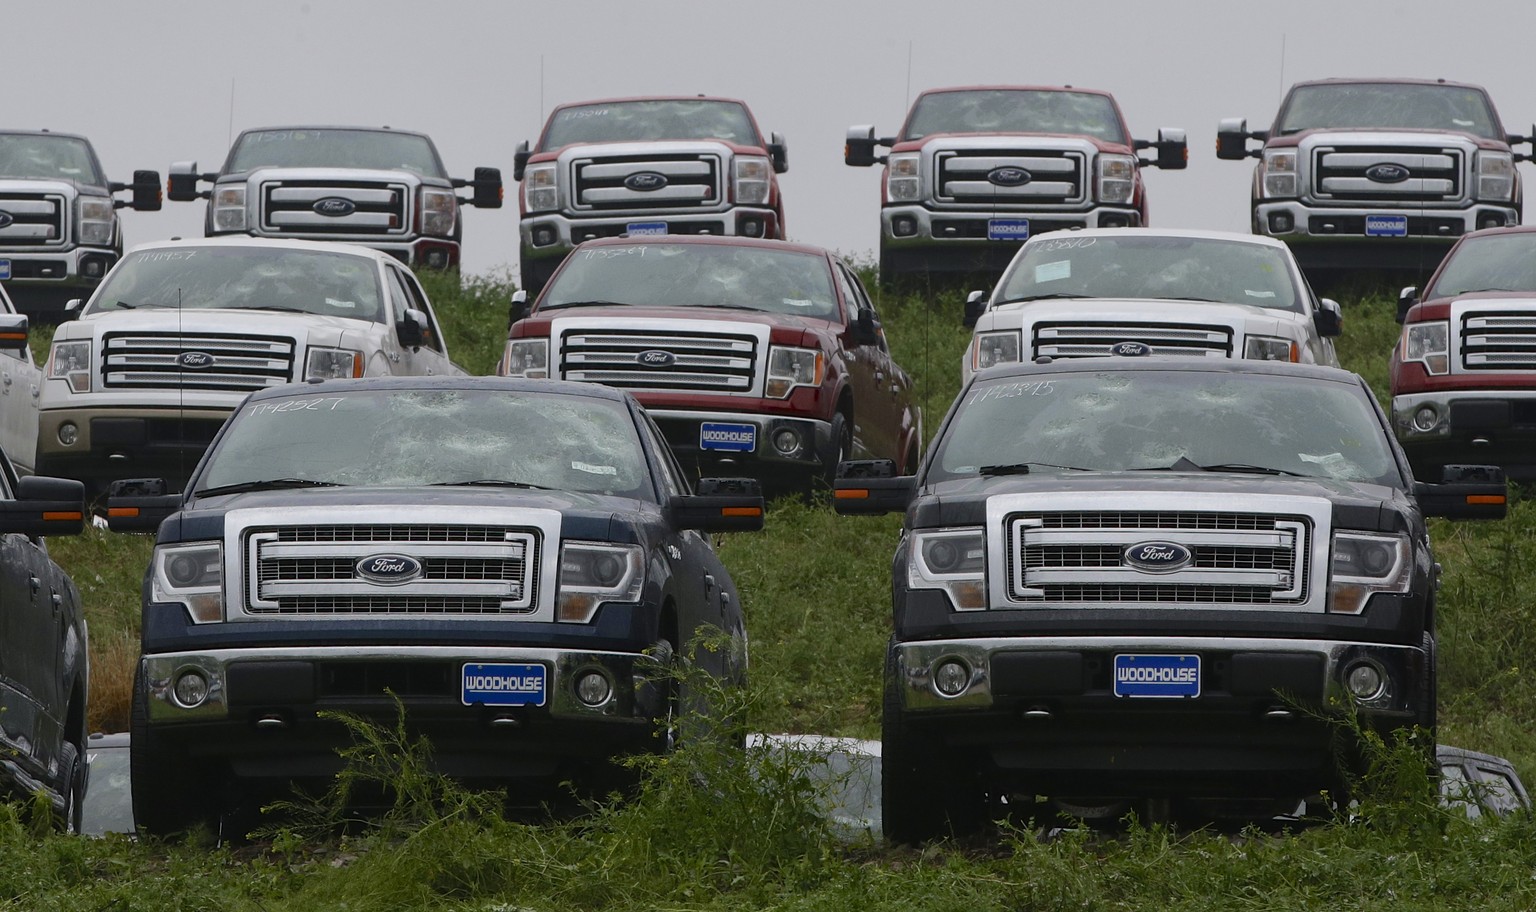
(35, 583)
(58, 603)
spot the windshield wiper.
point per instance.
(126, 306)
(277, 307)
(1055, 295)
(586, 304)
(1185, 464)
(490, 483)
(269, 484)
(1022, 468)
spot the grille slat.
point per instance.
(1502, 340)
(1081, 340)
(717, 363)
(131, 361)
(38, 220)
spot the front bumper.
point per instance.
(549, 236)
(41, 283)
(1485, 427)
(684, 430)
(1334, 236)
(917, 239)
(113, 443)
(418, 253)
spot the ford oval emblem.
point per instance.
(1130, 349)
(645, 181)
(1158, 556)
(656, 358)
(6, 219)
(1387, 173)
(388, 569)
(1009, 177)
(195, 360)
(334, 207)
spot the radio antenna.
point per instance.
(907, 102)
(230, 138)
(541, 88)
(1280, 96)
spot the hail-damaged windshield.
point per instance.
(35, 156)
(1015, 111)
(646, 121)
(1495, 262)
(1149, 266)
(219, 277)
(375, 150)
(1131, 420)
(1388, 106)
(412, 437)
(696, 275)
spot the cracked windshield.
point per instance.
(1388, 106)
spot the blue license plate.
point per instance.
(731, 438)
(505, 684)
(645, 229)
(1007, 229)
(5, 270)
(1386, 226)
(1157, 676)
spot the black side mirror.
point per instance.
(871, 487)
(1232, 139)
(1405, 300)
(181, 182)
(520, 160)
(866, 329)
(778, 150)
(488, 189)
(721, 505)
(1328, 318)
(1465, 492)
(411, 328)
(45, 506)
(1172, 149)
(1528, 139)
(139, 504)
(859, 147)
(975, 306)
(13, 332)
(146, 191)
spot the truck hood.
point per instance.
(1011, 141)
(1355, 136)
(1248, 317)
(172, 321)
(649, 149)
(724, 314)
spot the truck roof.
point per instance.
(507, 384)
(632, 98)
(1015, 88)
(363, 129)
(45, 132)
(1199, 365)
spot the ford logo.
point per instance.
(645, 181)
(656, 358)
(1387, 174)
(389, 569)
(195, 360)
(334, 207)
(1009, 177)
(1158, 556)
(6, 219)
(1130, 349)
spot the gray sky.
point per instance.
(150, 81)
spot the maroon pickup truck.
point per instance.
(753, 356)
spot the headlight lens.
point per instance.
(229, 208)
(903, 184)
(540, 189)
(333, 364)
(1270, 348)
(996, 348)
(193, 576)
(792, 367)
(1365, 563)
(753, 177)
(1429, 344)
(1495, 176)
(592, 573)
(95, 221)
(439, 211)
(71, 362)
(526, 358)
(953, 560)
(1280, 173)
(1117, 178)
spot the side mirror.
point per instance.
(411, 328)
(181, 182)
(866, 329)
(519, 309)
(1465, 492)
(13, 331)
(1528, 139)
(45, 506)
(778, 150)
(73, 305)
(859, 147)
(520, 160)
(1328, 318)
(146, 191)
(1172, 149)
(1232, 139)
(871, 487)
(488, 189)
(139, 504)
(1405, 300)
(721, 505)
(975, 306)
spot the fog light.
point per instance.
(1365, 682)
(904, 226)
(752, 228)
(1281, 223)
(951, 677)
(68, 433)
(191, 690)
(543, 236)
(1112, 221)
(1490, 220)
(1424, 419)
(786, 441)
(437, 259)
(593, 689)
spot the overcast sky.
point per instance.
(156, 81)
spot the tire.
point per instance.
(924, 795)
(171, 793)
(839, 448)
(72, 820)
(1429, 690)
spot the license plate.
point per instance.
(1007, 229)
(1386, 226)
(731, 438)
(645, 229)
(1175, 676)
(5, 269)
(504, 685)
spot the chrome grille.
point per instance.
(691, 181)
(1055, 177)
(288, 207)
(240, 363)
(1435, 173)
(1498, 340)
(1085, 340)
(37, 220)
(700, 361)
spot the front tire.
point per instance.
(171, 793)
(924, 795)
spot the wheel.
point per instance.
(924, 794)
(1429, 688)
(839, 447)
(171, 793)
(72, 761)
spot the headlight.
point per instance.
(193, 576)
(541, 191)
(95, 226)
(71, 362)
(953, 560)
(996, 348)
(526, 358)
(753, 177)
(333, 364)
(1280, 173)
(1495, 176)
(229, 208)
(592, 573)
(791, 367)
(1365, 563)
(903, 184)
(1269, 348)
(1429, 344)
(439, 211)
(1117, 178)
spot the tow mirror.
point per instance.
(866, 329)
(139, 504)
(871, 487)
(181, 182)
(859, 147)
(44, 506)
(520, 160)
(146, 191)
(721, 505)
(778, 150)
(411, 328)
(487, 187)
(1172, 149)
(520, 307)
(1328, 318)
(1405, 300)
(13, 332)
(1232, 139)
(1465, 492)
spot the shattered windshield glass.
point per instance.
(31, 156)
(415, 437)
(1497, 262)
(646, 121)
(1015, 111)
(1388, 106)
(379, 150)
(1141, 420)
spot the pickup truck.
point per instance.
(382, 188)
(975, 171)
(59, 230)
(1163, 580)
(1379, 174)
(646, 166)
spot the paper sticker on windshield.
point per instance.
(799, 302)
(340, 305)
(1052, 272)
(591, 469)
(1258, 294)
